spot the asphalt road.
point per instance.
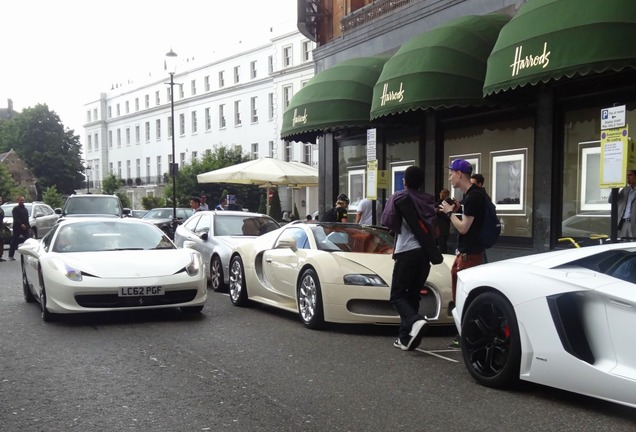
(255, 369)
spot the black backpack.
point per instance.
(491, 226)
(330, 215)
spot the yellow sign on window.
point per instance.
(616, 154)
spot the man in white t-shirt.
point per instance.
(364, 212)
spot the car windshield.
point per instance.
(352, 238)
(93, 205)
(240, 225)
(90, 236)
(158, 214)
(8, 208)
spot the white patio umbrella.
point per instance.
(265, 172)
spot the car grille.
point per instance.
(114, 301)
(429, 306)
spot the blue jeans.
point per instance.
(410, 271)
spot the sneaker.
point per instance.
(11, 259)
(416, 333)
(398, 344)
(455, 343)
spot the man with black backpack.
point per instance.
(470, 248)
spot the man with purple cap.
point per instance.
(470, 251)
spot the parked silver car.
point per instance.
(215, 233)
(41, 217)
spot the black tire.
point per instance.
(309, 296)
(26, 289)
(191, 309)
(491, 346)
(46, 315)
(238, 287)
(216, 275)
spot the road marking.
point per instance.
(434, 354)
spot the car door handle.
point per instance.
(268, 260)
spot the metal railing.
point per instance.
(371, 12)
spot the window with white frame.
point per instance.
(221, 79)
(110, 112)
(181, 124)
(271, 148)
(194, 122)
(168, 94)
(159, 172)
(118, 138)
(127, 107)
(208, 152)
(193, 87)
(170, 124)
(110, 139)
(194, 156)
(208, 119)
(119, 169)
(181, 92)
(237, 113)
(253, 71)
(287, 95)
(127, 136)
(287, 56)
(221, 116)
(306, 51)
(303, 83)
(147, 130)
(206, 83)
(96, 141)
(158, 129)
(95, 116)
(308, 151)
(136, 104)
(253, 110)
(270, 106)
(147, 101)
(270, 65)
(181, 160)
(289, 151)
(237, 74)
(169, 160)
(118, 110)
(254, 151)
(110, 167)
(137, 134)
(88, 116)
(128, 169)
(89, 143)
(157, 98)
(138, 168)
(147, 168)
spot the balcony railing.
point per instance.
(371, 12)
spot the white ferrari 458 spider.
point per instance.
(106, 264)
(564, 319)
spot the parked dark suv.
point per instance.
(87, 205)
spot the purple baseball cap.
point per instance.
(461, 165)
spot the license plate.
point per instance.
(140, 291)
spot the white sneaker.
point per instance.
(398, 344)
(416, 333)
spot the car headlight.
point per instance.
(364, 279)
(195, 265)
(72, 273)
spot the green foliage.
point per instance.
(110, 184)
(124, 198)
(52, 197)
(46, 146)
(188, 186)
(9, 188)
(150, 202)
(275, 210)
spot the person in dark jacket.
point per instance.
(1, 228)
(412, 264)
(21, 227)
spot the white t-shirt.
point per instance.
(364, 207)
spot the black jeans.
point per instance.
(17, 239)
(410, 271)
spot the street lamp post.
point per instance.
(171, 66)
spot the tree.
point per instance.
(220, 157)
(111, 184)
(46, 146)
(52, 197)
(124, 198)
(150, 202)
(275, 210)
(9, 188)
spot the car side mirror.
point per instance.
(58, 211)
(287, 242)
(204, 236)
(126, 211)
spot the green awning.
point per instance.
(336, 97)
(549, 39)
(443, 67)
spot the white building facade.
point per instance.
(237, 100)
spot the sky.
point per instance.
(64, 53)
